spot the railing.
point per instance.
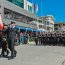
(23, 24)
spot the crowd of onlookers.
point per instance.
(22, 38)
(17, 18)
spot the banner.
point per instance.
(1, 23)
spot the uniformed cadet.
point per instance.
(43, 39)
(39, 38)
(60, 38)
(63, 38)
(52, 39)
(49, 38)
(36, 39)
(55, 43)
(57, 38)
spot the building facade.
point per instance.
(21, 12)
(40, 25)
(60, 26)
(48, 22)
(17, 11)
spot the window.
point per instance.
(40, 21)
(47, 23)
(9, 0)
(56, 25)
(40, 26)
(29, 8)
(19, 3)
(56, 29)
(63, 24)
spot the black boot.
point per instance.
(11, 57)
(15, 52)
(7, 53)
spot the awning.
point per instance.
(40, 31)
(20, 27)
(29, 29)
(25, 29)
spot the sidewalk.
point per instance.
(37, 55)
(33, 42)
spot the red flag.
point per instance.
(35, 8)
(1, 23)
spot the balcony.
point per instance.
(22, 24)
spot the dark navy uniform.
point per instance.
(63, 39)
(52, 39)
(36, 39)
(49, 39)
(39, 38)
(45, 39)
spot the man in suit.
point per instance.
(11, 41)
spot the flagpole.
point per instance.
(32, 7)
(32, 12)
(41, 7)
(41, 10)
(35, 13)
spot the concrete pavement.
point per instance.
(37, 55)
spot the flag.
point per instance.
(1, 23)
(35, 8)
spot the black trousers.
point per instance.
(36, 41)
(63, 42)
(0, 42)
(11, 46)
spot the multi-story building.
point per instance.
(40, 25)
(19, 11)
(48, 22)
(59, 26)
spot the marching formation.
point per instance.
(50, 38)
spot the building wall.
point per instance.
(48, 22)
(25, 4)
(40, 25)
(15, 8)
(59, 27)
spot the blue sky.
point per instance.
(52, 7)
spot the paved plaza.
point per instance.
(37, 55)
